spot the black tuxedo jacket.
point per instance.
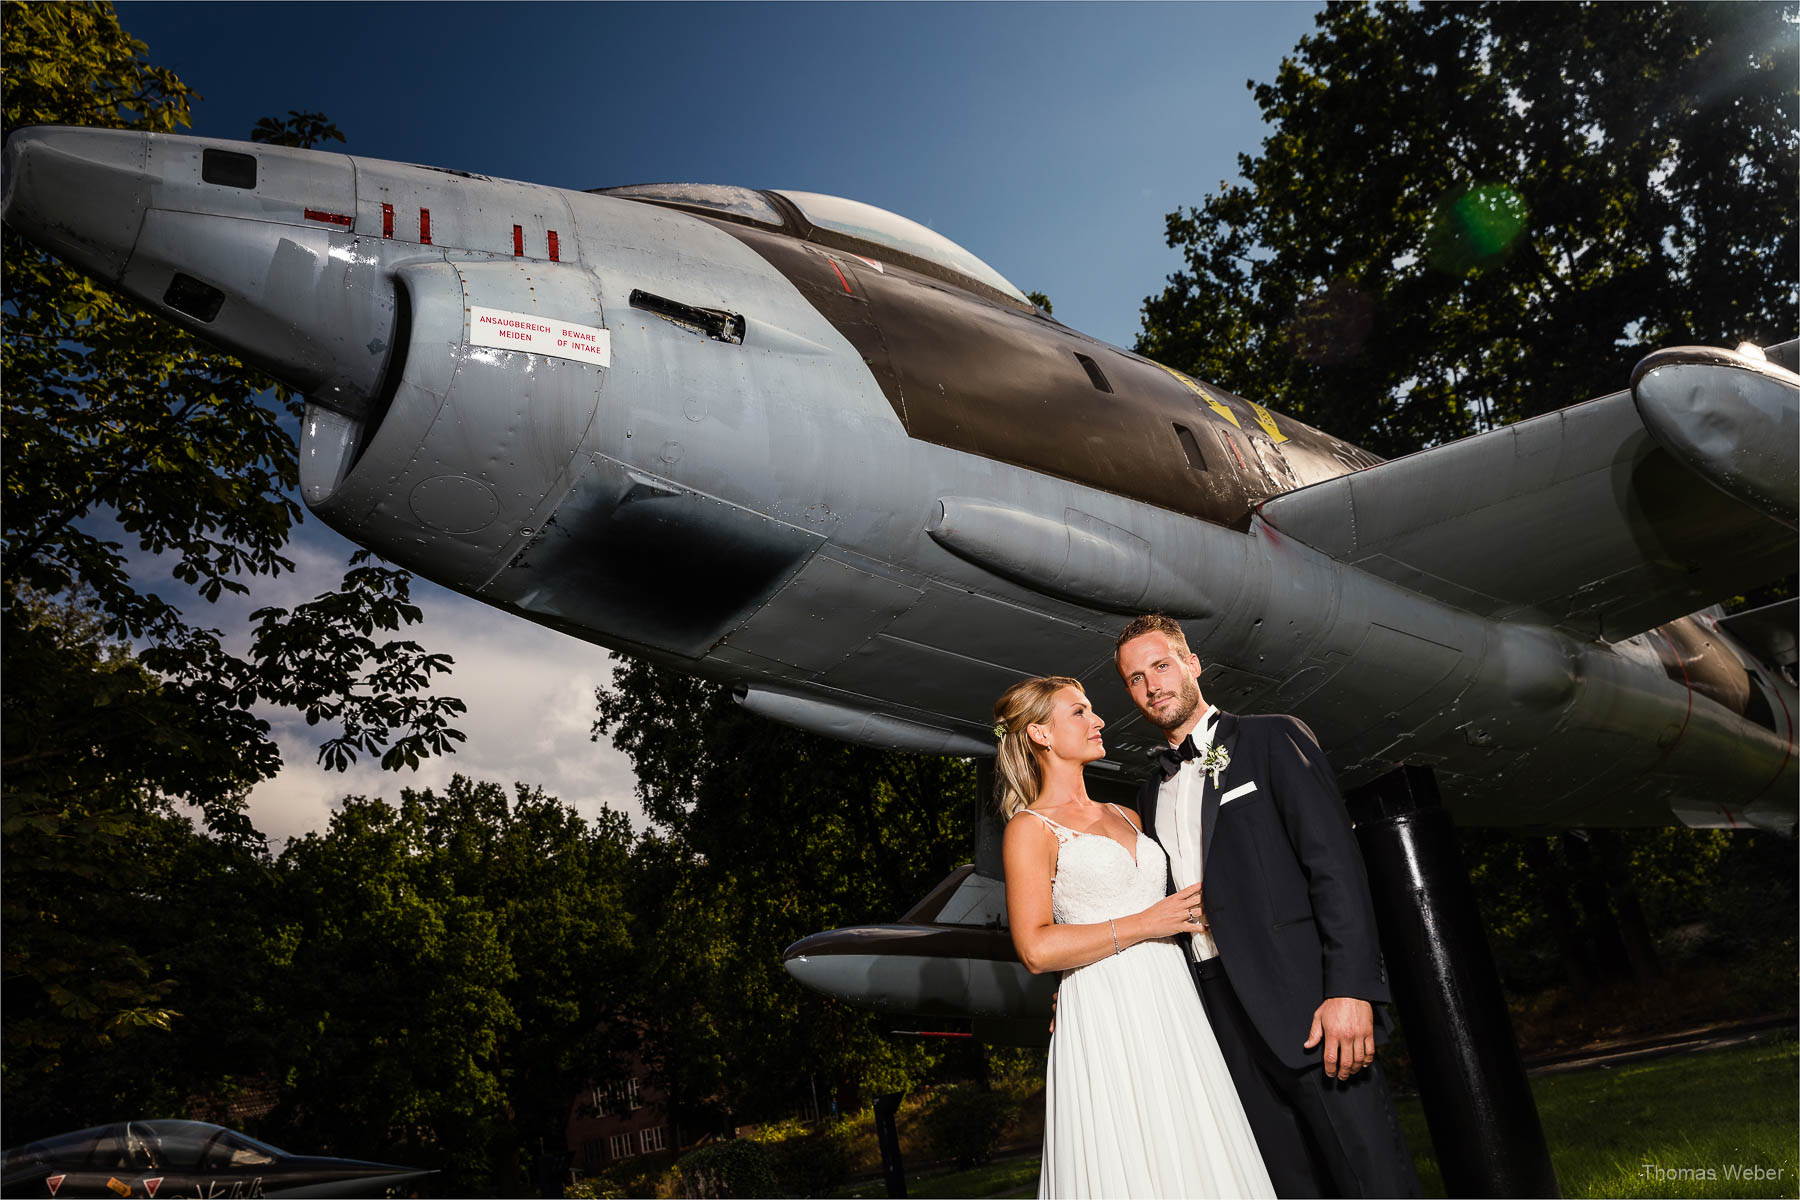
(1283, 882)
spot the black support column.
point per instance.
(1484, 1122)
(989, 829)
(887, 1136)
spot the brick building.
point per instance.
(617, 1119)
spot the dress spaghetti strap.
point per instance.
(1128, 820)
(1062, 833)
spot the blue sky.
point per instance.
(1050, 140)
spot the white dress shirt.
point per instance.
(1178, 807)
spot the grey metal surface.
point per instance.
(1733, 419)
(1768, 632)
(1577, 519)
(877, 966)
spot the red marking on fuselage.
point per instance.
(1232, 446)
(55, 1182)
(315, 214)
(387, 220)
(425, 226)
(840, 276)
(150, 1185)
(555, 250)
(518, 241)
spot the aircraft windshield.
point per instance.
(61, 1148)
(877, 225)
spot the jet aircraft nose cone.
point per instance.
(251, 247)
(78, 193)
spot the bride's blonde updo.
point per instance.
(1018, 777)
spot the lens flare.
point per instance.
(1475, 227)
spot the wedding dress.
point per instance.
(1138, 1101)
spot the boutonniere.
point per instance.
(1214, 762)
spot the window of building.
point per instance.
(650, 1139)
(619, 1146)
(590, 1153)
(631, 1094)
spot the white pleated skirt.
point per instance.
(1138, 1100)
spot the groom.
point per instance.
(1286, 960)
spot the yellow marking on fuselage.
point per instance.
(1266, 419)
(1214, 402)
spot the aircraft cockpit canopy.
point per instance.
(147, 1146)
(842, 222)
(870, 224)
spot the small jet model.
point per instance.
(810, 448)
(165, 1159)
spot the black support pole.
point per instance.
(988, 827)
(887, 1135)
(1478, 1104)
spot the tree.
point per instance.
(304, 130)
(1468, 214)
(114, 415)
(117, 706)
(448, 965)
(763, 835)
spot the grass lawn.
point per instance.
(1014, 1177)
(1653, 1128)
(1647, 1128)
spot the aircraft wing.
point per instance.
(1595, 519)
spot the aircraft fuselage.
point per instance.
(865, 488)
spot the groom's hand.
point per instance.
(1347, 1026)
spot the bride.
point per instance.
(1138, 1101)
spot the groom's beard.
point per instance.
(1187, 699)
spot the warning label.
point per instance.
(539, 335)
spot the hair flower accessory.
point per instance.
(999, 731)
(1214, 762)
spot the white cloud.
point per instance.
(530, 692)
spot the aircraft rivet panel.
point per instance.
(498, 217)
(824, 613)
(281, 299)
(497, 392)
(606, 560)
(262, 183)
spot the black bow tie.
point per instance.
(1172, 758)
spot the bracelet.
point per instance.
(1115, 933)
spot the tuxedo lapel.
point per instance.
(1224, 735)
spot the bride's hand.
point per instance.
(1179, 912)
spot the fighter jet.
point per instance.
(165, 1159)
(808, 447)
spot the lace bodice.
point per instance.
(1096, 879)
